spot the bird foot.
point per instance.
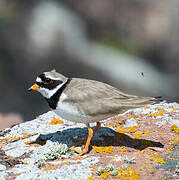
(84, 149)
(80, 153)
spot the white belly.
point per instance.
(70, 113)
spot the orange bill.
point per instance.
(34, 87)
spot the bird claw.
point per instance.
(80, 153)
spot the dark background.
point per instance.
(133, 45)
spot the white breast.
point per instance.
(69, 112)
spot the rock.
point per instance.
(39, 149)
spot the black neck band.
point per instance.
(53, 101)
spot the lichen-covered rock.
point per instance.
(39, 149)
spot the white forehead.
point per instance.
(51, 77)
(47, 76)
(38, 79)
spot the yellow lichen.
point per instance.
(123, 174)
(118, 117)
(15, 138)
(55, 121)
(174, 109)
(109, 125)
(90, 178)
(49, 167)
(128, 174)
(146, 107)
(170, 148)
(175, 140)
(127, 130)
(140, 119)
(146, 132)
(150, 154)
(122, 149)
(175, 128)
(65, 162)
(107, 150)
(160, 113)
(105, 174)
(159, 160)
(147, 163)
(142, 171)
(137, 135)
(158, 108)
(30, 144)
(132, 129)
(140, 151)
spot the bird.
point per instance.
(85, 101)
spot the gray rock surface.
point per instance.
(42, 161)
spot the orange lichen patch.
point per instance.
(90, 178)
(140, 151)
(30, 144)
(175, 140)
(151, 154)
(127, 130)
(55, 121)
(175, 128)
(146, 132)
(118, 117)
(49, 167)
(159, 160)
(105, 174)
(140, 119)
(147, 163)
(137, 135)
(160, 113)
(15, 138)
(128, 174)
(109, 125)
(121, 130)
(78, 162)
(58, 159)
(170, 148)
(132, 129)
(174, 109)
(114, 124)
(142, 171)
(150, 168)
(107, 150)
(27, 142)
(92, 171)
(158, 108)
(81, 157)
(122, 149)
(146, 107)
(65, 163)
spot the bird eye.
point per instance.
(47, 81)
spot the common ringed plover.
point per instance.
(85, 101)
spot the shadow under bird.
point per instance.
(85, 101)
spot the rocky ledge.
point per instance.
(139, 144)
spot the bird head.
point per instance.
(48, 83)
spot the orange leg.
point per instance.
(90, 135)
(97, 127)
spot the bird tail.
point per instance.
(135, 101)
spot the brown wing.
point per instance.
(93, 97)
